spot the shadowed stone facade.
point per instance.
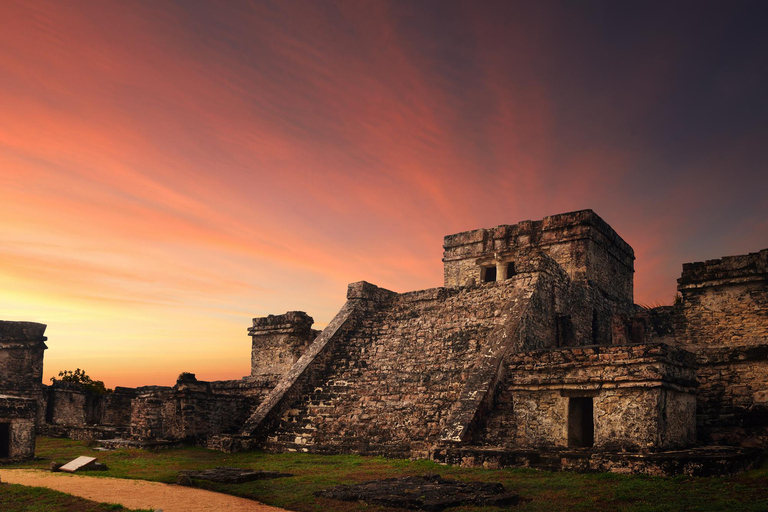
(22, 397)
(532, 353)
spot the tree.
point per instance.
(80, 378)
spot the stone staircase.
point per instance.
(398, 375)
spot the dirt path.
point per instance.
(135, 493)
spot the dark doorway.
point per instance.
(510, 270)
(581, 426)
(489, 274)
(5, 440)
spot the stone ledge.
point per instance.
(726, 270)
(290, 322)
(22, 331)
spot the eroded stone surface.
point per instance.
(427, 492)
(230, 475)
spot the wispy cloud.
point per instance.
(169, 169)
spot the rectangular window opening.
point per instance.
(489, 274)
(581, 425)
(510, 269)
(595, 328)
(5, 440)
(564, 331)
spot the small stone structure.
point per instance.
(533, 352)
(616, 397)
(278, 341)
(22, 395)
(17, 428)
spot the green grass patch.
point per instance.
(19, 498)
(542, 491)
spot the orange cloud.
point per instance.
(170, 170)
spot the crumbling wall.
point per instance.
(70, 404)
(153, 413)
(190, 411)
(723, 317)
(116, 407)
(725, 301)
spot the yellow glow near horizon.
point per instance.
(170, 171)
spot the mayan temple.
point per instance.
(532, 353)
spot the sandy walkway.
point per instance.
(135, 493)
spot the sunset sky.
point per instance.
(170, 170)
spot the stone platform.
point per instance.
(700, 461)
(427, 492)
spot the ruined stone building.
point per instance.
(532, 353)
(22, 397)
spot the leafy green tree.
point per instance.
(80, 378)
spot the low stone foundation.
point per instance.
(702, 461)
(428, 492)
(112, 444)
(88, 433)
(231, 443)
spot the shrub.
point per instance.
(80, 378)
(187, 377)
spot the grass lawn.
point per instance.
(543, 491)
(18, 498)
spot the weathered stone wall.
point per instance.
(539, 419)
(116, 407)
(71, 405)
(254, 388)
(22, 345)
(733, 396)
(21, 356)
(68, 406)
(190, 411)
(645, 418)
(722, 316)
(643, 397)
(278, 342)
(724, 302)
(677, 428)
(153, 413)
(584, 245)
(18, 417)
